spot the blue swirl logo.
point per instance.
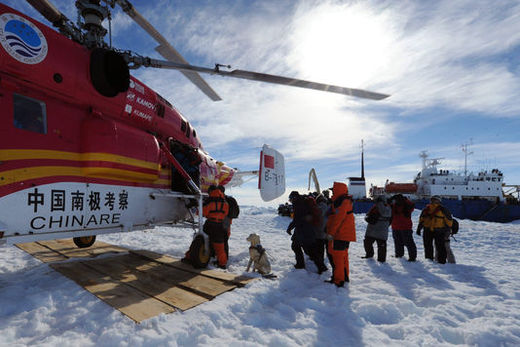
(22, 39)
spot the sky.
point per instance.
(475, 302)
(451, 68)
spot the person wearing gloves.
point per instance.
(341, 230)
(378, 219)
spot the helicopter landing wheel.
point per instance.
(198, 256)
(84, 241)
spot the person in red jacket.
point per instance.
(402, 209)
(216, 209)
(341, 230)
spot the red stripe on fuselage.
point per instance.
(18, 186)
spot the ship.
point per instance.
(479, 196)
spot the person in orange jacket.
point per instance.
(216, 209)
(341, 230)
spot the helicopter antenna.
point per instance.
(109, 28)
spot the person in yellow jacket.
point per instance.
(436, 221)
(341, 230)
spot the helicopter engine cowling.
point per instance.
(109, 72)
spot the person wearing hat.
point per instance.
(402, 233)
(378, 221)
(436, 221)
(341, 230)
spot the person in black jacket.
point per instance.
(303, 239)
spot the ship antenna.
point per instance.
(362, 162)
(465, 149)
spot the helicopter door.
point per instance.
(188, 157)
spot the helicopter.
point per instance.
(88, 149)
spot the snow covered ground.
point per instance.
(474, 302)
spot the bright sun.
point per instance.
(342, 44)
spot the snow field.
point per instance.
(397, 303)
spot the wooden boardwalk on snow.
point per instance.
(141, 284)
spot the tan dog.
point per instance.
(258, 256)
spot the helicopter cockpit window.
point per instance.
(183, 126)
(29, 114)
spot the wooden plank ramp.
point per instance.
(140, 284)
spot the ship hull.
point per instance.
(362, 206)
(478, 209)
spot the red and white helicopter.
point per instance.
(87, 149)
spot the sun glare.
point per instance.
(341, 44)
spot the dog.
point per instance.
(258, 256)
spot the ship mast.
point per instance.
(362, 162)
(465, 149)
(424, 156)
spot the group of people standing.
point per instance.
(320, 224)
(435, 220)
(327, 224)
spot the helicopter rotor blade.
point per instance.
(167, 50)
(256, 76)
(58, 19)
(293, 82)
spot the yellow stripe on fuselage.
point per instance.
(25, 154)
(35, 172)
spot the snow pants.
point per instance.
(218, 236)
(338, 251)
(311, 251)
(450, 257)
(449, 253)
(404, 238)
(439, 237)
(368, 243)
(319, 251)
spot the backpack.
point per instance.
(372, 216)
(234, 210)
(315, 211)
(454, 227)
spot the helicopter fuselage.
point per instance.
(74, 162)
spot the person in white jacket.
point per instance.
(378, 219)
